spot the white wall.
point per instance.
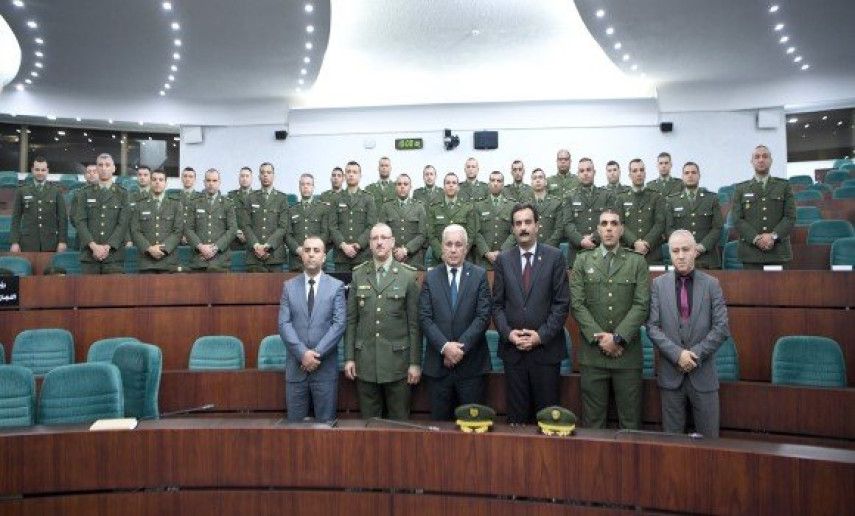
(721, 142)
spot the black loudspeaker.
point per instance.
(486, 139)
(281, 135)
(666, 127)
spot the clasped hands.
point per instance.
(524, 339)
(607, 344)
(687, 361)
(765, 241)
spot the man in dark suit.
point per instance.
(531, 297)
(688, 323)
(454, 311)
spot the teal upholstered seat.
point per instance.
(69, 261)
(17, 396)
(666, 254)
(808, 360)
(430, 261)
(648, 367)
(132, 260)
(847, 183)
(807, 215)
(140, 365)
(238, 261)
(839, 163)
(18, 265)
(81, 393)
(727, 189)
(272, 354)
(2, 354)
(727, 361)
(185, 254)
(844, 192)
(827, 231)
(217, 352)
(102, 350)
(496, 363)
(42, 350)
(724, 197)
(567, 363)
(843, 251)
(329, 261)
(801, 180)
(564, 247)
(730, 257)
(724, 236)
(807, 196)
(292, 199)
(836, 176)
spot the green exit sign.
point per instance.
(409, 144)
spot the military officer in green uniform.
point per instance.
(472, 190)
(550, 229)
(351, 218)
(764, 212)
(518, 191)
(39, 218)
(429, 193)
(211, 227)
(450, 210)
(309, 217)
(643, 213)
(336, 186)
(157, 223)
(383, 342)
(581, 210)
(90, 176)
(384, 189)
(102, 216)
(563, 182)
(188, 195)
(266, 218)
(610, 299)
(613, 184)
(665, 184)
(408, 220)
(239, 197)
(142, 192)
(494, 223)
(697, 210)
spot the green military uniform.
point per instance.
(239, 198)
(643, 216)
(701, 214)
(408, 220)
(351, 219)
(666, 187)
(442, 214)
(157, 225)
(550, 226)
(211, 223)
(494, 228)
(187, 200)
(518, 192)
(134, 197)
(383, 336)
(617, 189)
(612, 299)
(383, 192)
(102, 216)
(265, 221)
(758, 209)
(560, 185)
(308, 217)
(473, 191)
(330, 197)
(581, 211)
(39, 218)
(428, 195)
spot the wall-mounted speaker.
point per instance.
(666, 127)
(191, 134)
(281, 135)
(485, 140)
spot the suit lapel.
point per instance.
(516, 267)
(300, 293)
(698, 287)
(442, 276)
(463, 284)
(536, 267)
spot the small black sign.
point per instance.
(10, 290)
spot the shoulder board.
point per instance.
(744, 183)
(360, 265)
(778, 179)
(407, 266)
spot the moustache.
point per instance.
(524, 233)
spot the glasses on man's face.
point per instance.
(607, 223)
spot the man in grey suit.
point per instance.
(454, 311)
(688, 323)
(312, 320)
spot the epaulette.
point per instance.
(361, 264)
(407, 266)
(746, 182)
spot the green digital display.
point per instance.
(409, 143)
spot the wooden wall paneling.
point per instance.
(13, 322)
(247, 288)
(250, 323)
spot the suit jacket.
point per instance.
(465, 323)
(708, 328)
(543, 308)
(321, 331)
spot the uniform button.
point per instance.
(610, 308)
(377, 334)
(102, 233)
(764, 208)
(764, 218)
(610, 294)
(693, 223)
(611, 322)
(378, 322)
(40, 225)
(610, 281)
(379, 297)
(378, 309)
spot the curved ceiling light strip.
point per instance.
(785, 39)
(12, 52)
(309, 9)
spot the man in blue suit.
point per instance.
(312, 320)
(454, 311)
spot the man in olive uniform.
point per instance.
(384, 189)
(239, 197)
(550, 229)
(265, 220)
(697, 210)
(764, 212)
(450, 210)
(336, 187)
(309, 217)
(90, 176)
(188, 195)
(429, 193)
(39, 218)
(563, 182)
(581, 210)
(210, 227)
(135, 196)
(101, 217)
(610, 299)
(518, 191)
(157, 224)
(383, 342)
(643, 213)
(351, 218)
(472, 190)
(494, 223)
(613, 179)
(665, 184)
(407, 218)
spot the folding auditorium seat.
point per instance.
(847, 183)
(727, 189)
(724, 197)
(5, 230)
(81, 393)
(843, 251)
(666, 254)
(217, 352)
(69, 261)
(648, 367)
(329, 261)
(185, 254)
(827, 231)
(292, 199)
(102, 350)
(238, 261)
(807, 196)
(141, 366)
(823, 188)
(564, 247)
(808, 360)
(725, 235)
(729, 256)
(272, 354)
(2, 354)
(42, 350)
(17, 396)
(9, 179)
(801, 180)
(727, 361)
(18, 265)
(132, 260)
(567, 363)
(844, 192)
(807, 215)
(848, 167)
(839, 163)
(496, 363)
(429, 259)
(835, 177)
(67, 181)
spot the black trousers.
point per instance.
(452, 390)
(529, 387)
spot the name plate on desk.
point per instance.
(841, 268)
(122, 423)
(773, 267)
(10, 290)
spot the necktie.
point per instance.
(609, 256)
(453, 288)
(211, 200)
(157, 204)
(526, 276)
(684, 300)
(311, 301)
(380, 273)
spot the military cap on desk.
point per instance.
(474, 418)
(556, 420)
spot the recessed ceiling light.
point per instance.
(19, 87)
(779, 27)
(625, 57)
(791, 50)
(600, 13)
(298, 89)
(110, 121)
(793, 120)
(18, 3)
(807, 126)
(773, 8)
(784, 39)
(176, 25)
(309, 8)
(309, 45)
(51, 117)
(797, 59)
(300, 81)
(303, 71)
(167, 85)
(162, 93)
(840, 122)
(61, 133)
(310, 28)
(171, 77)
(825, 117)
(805, 67)
(177, 42)
(307, 60)
(634, 67)
(38, 64)
(39, 41)
(176, 56)
(28, 81)
(167, 6)
(34, 74)
(610, 30)
(32, 24)
(618, 45)
(78, 119)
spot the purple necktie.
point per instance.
(526, 277)
(684, 300)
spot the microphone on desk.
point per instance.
(202, 408)
(694, 435)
